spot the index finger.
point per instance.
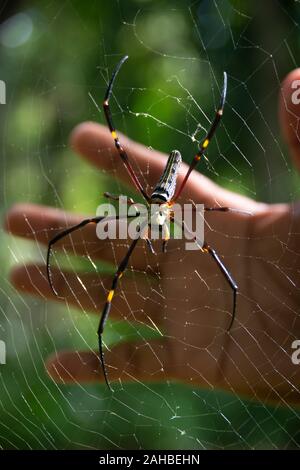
(94, 142)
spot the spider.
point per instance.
(164, 194)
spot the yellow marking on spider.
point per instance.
(120, 275)
(110, 295)
(205, 143)
(114, 134)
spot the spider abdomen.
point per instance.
(165, 188)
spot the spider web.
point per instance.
(166, 102)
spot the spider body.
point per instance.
(164, 196)
(165, 188)
(161, 199)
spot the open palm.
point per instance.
(193, 307)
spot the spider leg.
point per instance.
(207, 249)
(58, 237)
(150, 246)
(166, 238)
(107, 306)
(112, 129)
(220, 209)
(206, 141)
(117, 197)
(227, 209)
(66, 232)
(217, 209)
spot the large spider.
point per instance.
(163, 195)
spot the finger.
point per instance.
(147, 361)
(134, 300)
(41, 223)
(94, 142)
(128, 362)
(289, 113)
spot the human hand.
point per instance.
(194, 304)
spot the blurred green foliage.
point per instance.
(52, 55)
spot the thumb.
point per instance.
(289, 113)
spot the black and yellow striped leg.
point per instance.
(61, 235)
(207, 249)
(218, 209)
(69, 230)
(226, 209)
(112, 129)
(166, 238)
(206, 141)
(107, 306)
